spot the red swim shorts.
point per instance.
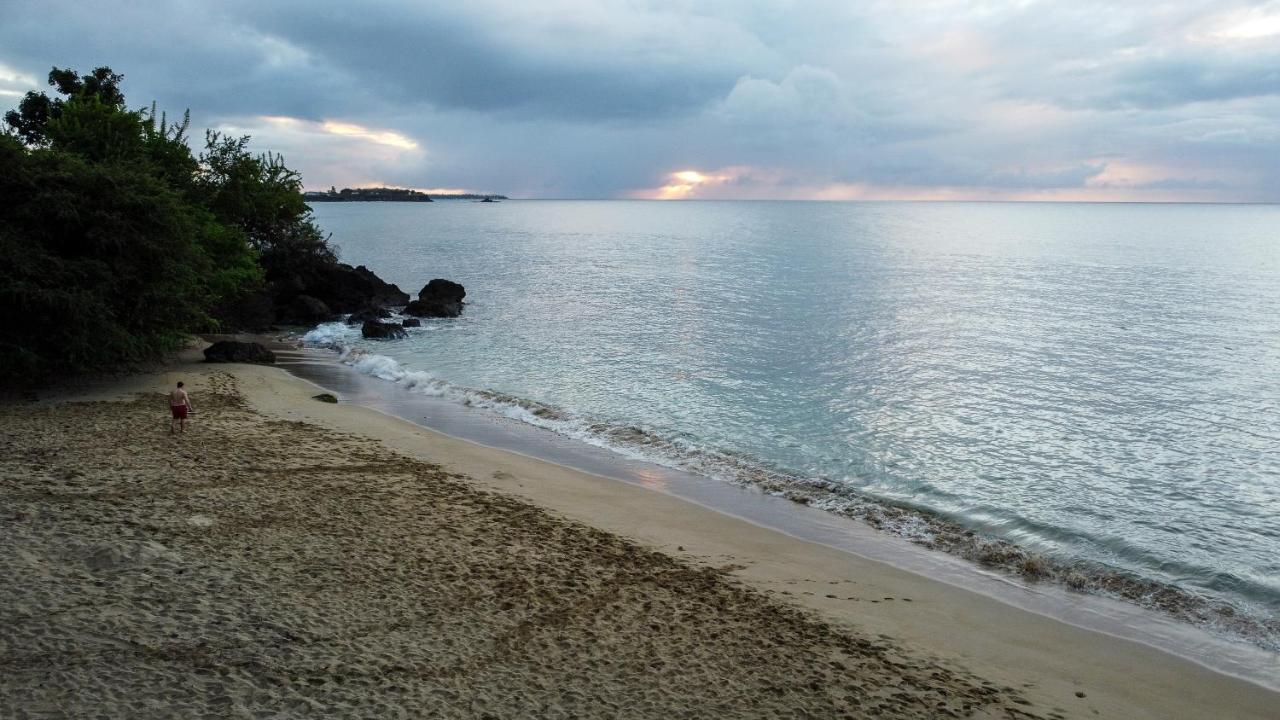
(179, 412)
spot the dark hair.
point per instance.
(179, 383)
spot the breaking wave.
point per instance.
(918, 525)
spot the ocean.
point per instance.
(1086, 394)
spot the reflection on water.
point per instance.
(1095, 382)
(652, 478)
(807, 523)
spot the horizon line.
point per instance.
(901, 200)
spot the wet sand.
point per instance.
(289, 557)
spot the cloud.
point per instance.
(320, 149)
(1203, 75)
(565, 60)
(1244, 24)
(15, 84)
(1107, 56)
(731, 182)
(380, 137)
(570, 98)
(807, 96)
(1086, 183)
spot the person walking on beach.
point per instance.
(179, 407)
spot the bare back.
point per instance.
(178, 398)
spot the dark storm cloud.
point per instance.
(183, 54)
(570, 98)
(1169, 82)
(1116, 55)
(496, 59)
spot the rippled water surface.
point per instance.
(1097, 382)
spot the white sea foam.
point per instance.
(635, 443)
(920, 526)
(334, 336)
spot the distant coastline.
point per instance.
(383, 194)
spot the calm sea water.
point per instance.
(1093, 382)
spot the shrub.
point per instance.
(116, 241)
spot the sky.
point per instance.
(722, 99)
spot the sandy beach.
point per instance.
(289, 558)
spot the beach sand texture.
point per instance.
(259, 567)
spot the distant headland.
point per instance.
(384, 194)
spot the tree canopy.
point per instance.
(117, 240)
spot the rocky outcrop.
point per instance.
(411, 322)
(322, 292)
(439, 298)
(317, 293)
(347, 289)
(375, 330)
(307, 310)
(441, 288)
(231, 351)
(365, 314)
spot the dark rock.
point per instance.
(342, 288)
(382, 331)
(432, 309)
(307, 310)
(238, 352)
(411, 322)
(347, 289)
(325, 397)
(365, 314)
(441, 288)
(439, 298)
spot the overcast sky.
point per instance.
(1057, 99)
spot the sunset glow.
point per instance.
(1004, 99)
(381, 137)
(387, 138)
(688, 184)
(1102, 180)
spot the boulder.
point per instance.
(325, 397)
(441, 288)
(384, 293)
(307, 310)
(439, 298)
(382, 331)
(365, 314)
(432, 309)
(347, 289)
(411, 322)
(232, 351)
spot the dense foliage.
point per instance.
(116, 240)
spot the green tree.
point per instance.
(263, 198)
(36, 111)
(111, 250)
(102, 264)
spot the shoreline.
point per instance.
(1047, 660)
(1211, 633)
